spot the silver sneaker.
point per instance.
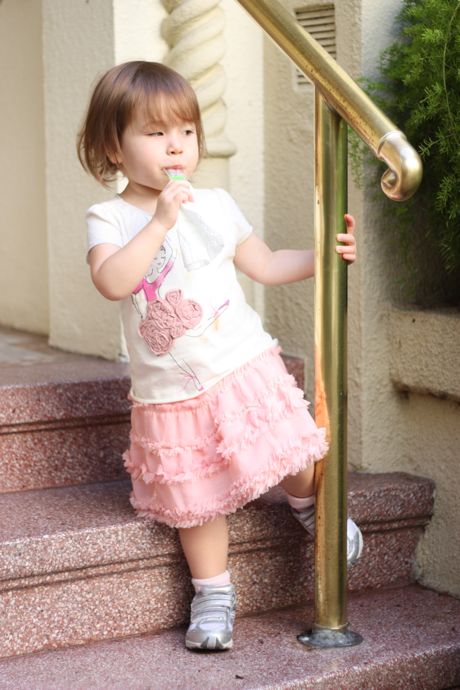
(354, 537)
(212, 617)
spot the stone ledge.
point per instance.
(77, 388)
(67, 528)
(425, 352)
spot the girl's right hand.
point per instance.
(176, 193)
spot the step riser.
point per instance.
(143, 596)
(65, 432)
(81, 453)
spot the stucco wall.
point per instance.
(380, 416)
(405, 430)
(137, 30)
(425, 372)
(425, 368)
(244, 96)
(77, 46)
(81, 41)
(431, 449)
(23, 254)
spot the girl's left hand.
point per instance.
(348, 248)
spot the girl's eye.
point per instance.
(155, 134)
(189, 131)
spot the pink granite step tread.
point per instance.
(411, 642)
(54, 391)
(78, 521)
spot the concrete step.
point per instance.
(411, 642)
(64, 418)
(77, 565)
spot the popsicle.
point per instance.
(175, 173)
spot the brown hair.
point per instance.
(150, 86)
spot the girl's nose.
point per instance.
(174, 146)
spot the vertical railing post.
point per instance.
(331, 624)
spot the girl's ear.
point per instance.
(114, 157)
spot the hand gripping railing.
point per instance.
(338, 101)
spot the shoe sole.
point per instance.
(209, 645)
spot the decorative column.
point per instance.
(194, 32)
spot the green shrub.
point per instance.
(419, 89)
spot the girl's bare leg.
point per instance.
(301, 484)
(206, 548)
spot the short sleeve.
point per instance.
(102, 227)
(236, 216)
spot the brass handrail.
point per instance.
(339, 90)
(339, 100)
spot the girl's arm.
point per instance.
(254, 258)
(116, 271)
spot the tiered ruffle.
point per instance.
(194, 460)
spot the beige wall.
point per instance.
(431, 442)
(244, 96)
(405, 430)
(77, 45)
(425, 370)
(23, 241)
(81, 41)
(412, 423)
(137, 30)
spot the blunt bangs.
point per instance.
(166, 98)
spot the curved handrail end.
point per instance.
(403, 178)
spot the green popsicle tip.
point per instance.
(175, 174)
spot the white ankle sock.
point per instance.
(300, 503)
(219, 580)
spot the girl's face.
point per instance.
(148, 148)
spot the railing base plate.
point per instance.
(328, 639)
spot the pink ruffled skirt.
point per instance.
(197, 459)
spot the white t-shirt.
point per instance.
(187, 324)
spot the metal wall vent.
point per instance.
(319, 21)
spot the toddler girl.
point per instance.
(216, 419)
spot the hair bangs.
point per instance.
(162, 108)
(165, 100)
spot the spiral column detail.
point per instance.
(194, 32)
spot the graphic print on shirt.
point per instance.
(172, 316)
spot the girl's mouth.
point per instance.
(175, 173)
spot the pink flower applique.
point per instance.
(167, 319)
